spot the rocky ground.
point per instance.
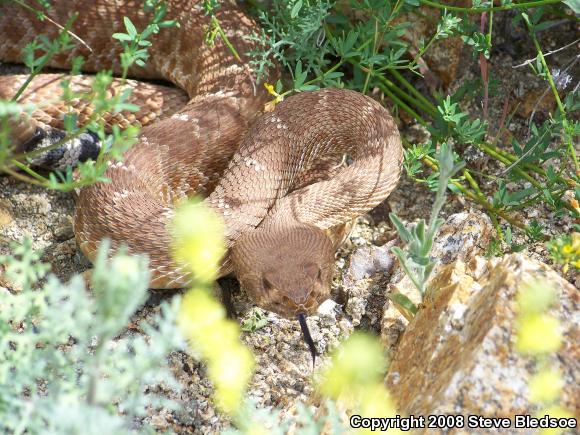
(365, 271)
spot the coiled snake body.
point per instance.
(276, 179)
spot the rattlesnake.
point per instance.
(276, 178)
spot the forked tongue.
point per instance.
(307, 337)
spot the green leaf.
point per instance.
(427, 271)
(419, 230)
(400, 227)
(305, 88)
(296, 9)
(131, 29)
(70, 121)
(573, 4)
(122, 37)
(401, 255)
(403, 304)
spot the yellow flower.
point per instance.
(269, 107)
(270, 89)
(230, 374)
(377, 401)
(576, 243)
(230, 364)
(357, 364)
(198, 234)
(545, 386)
(554, 412)
(535, 297)
(538, 334)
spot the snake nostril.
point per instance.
(301, 298)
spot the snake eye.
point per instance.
(313, 272)
(266, 284)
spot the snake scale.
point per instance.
(280, 180)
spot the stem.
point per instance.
(221, 32)
(42, 16)
(427, 105)
(492, 215)
(535, 168)
(507, 162)
(432, 163)
(20, 176)
(370, 70)
(402, 105)
(422, 51)
(390, 88)
(416, 101)
(420, 286)
(29, 171)
(394, 88)
(557, 97)
(46, 59)
(315, 79)
(490, 208)
(524, 5)
(472, 183)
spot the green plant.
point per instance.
(416, 261)
(255, 321)
(135, 45)
(565, 250)
(361, 46)
(64, 368)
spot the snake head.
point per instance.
(287, 270)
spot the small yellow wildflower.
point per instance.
(230, 364)
(356, 364)
(535, 297)
(545, 386)
(269, 107)
(539, 334)
(198, 234)
(355, 379)
(576, 243)
(554, 412)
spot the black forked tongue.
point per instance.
(307, 337)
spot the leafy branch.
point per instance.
(416, 261)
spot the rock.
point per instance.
(539, 101)
(6, 216)
(8, 284)
(369, 260)
(327, 309)
(367, 273)
(63, 230)
(462, 237)
(440, 63)
(35, 204)
(458, 354)
(444, 59)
